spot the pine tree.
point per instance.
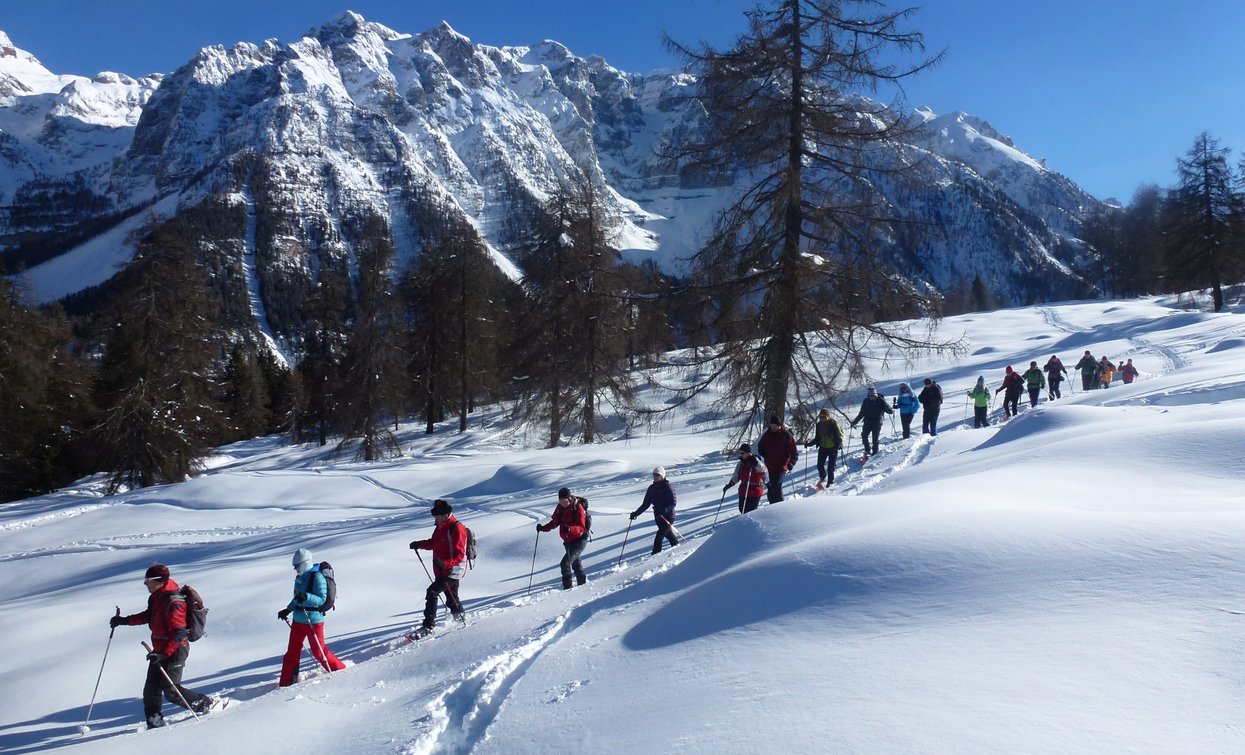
(794, 265)
(1206, 216)
(247, 399)
(155, 387)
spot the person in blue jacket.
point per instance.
(311, 590)
(661, 497)
(907, 403)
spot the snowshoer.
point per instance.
(1106, 372)
(907, 403)
(166, 615)
(871, 410)
(1088, 367)
(750, 474)
(980, 395)
(931, 405)
(1035, 380)
(778, 448)
(1055, 373)
(660, 495)
(828, 438)
(1012, 385)
(311, 591)
(571, 519)
(1128, 372)
(449, 563)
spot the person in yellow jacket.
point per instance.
(980, 394)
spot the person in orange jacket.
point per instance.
(449, 557)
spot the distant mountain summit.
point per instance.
(285, 148)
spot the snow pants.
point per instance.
(300, 633)
(981, 416)
(1033, 396)
(774, 486)
(825, 463)
(1011, 404)
(929, 421)
(663, 533)
(867, 431)
(570, 562)
(157, 686)
(906, 421)
(432, 599)
(1087, 381)
(1054, 388)
(749, 503)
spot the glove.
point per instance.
(301, 597)
(115, 621)
(155, 657)
(283, 614)
(726, 487)
(540, 528)
(414, 545)
(634, 514)
(808, 444)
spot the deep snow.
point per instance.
(1070, 581)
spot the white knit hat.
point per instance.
(660, 471)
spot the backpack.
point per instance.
(196, 612)
(330, 580)
(587, 515)
(471, 546)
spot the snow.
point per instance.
(1070, 581)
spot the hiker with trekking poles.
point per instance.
(750, 474)
(571, 520)
(449, 563)
(871, 410)
(311, 596)
(778, 448)
(166, 656)
(660, 495)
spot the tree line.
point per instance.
(1189, 236)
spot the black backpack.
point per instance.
(587, 515)
(471, 546)
(330, 580)
(196, 612)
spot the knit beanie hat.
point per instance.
(156, 571)
(872, 391)
(564, 493)
(660, 471)
(441, 507)
(302, 556)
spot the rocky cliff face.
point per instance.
(291, 148)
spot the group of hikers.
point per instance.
(754, 475)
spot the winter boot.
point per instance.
(155, 721)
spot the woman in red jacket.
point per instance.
(166, 615)
(570, 517)
(449, 551)
(750, 474)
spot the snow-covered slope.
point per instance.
(355, 120)
(1070, 581)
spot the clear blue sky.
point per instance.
(1110, 92)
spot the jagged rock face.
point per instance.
(305, 141)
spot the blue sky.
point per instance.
(1110, 92)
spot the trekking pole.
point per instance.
(719, 511)
(173, 686)
(678, 536)
(621, 551)
(532, 573)
(86, 726)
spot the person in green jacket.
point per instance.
(1035, 380)
(1089, 368)
(828, 439)
(980, 394)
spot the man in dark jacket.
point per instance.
(931, 404)
(1055, 373)
(871, 410)
(779, 450)
(571, 520)
(1089, 371)
(1012, 385)
(449, 556)
(660, 495)
(166, 615)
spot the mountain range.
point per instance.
(282, 150)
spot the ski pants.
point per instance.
(906, 421)
(825, 463)
(981, 416)
(929, 421)
(1011, 404)
(1054, 388)
(867, 431)
(570, 562)
(1033, 396)
(663, 532)
(157, 686)
(774, 489)
(1087, 381)
(432, 600)
(300, 633)
(749, 503)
